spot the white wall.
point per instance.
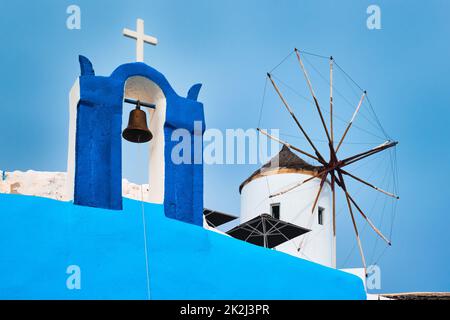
(74, 99)
(295, 207)
(53, 185)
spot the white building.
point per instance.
(285, 170)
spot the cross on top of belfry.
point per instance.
(140, 37)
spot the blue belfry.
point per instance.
(98, 146)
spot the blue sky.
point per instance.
(229, 46)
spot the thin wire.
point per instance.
(350, 254)
(359, 87)
(145, 234)
(281, 62)
(338, 92)
(313, 54)
(393, 206)
(370, 104)
(396, 188)
(357, 96)
(377, 119)
(325, 110)
(145, 245)
(381, 255)
(262, 103)
(292, 89)
(394, 202)
(355, 92)
(325, 141)
(264, 199)
(380, 223)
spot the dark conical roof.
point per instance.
(285, 159)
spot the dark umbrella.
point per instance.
(216, 218)
(266, 231)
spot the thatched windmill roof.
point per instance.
(285, 161)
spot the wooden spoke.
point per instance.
(362, 155)
(342, 185)
(370, 185)
(313, 94)
(363, 215)
(324, 178)
(294, 117)
(333, 178)
(287, 144)
(325, 170)
(333, 189)
(331, 102)
(361, 252)
(351, 121)
(295, 186)
(369, 221)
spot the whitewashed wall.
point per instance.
(53, 185)
(295, 207)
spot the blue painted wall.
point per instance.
(40, 238)
(98, 159)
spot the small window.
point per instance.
(275, 210)
(320, 216)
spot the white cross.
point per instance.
(140, 37)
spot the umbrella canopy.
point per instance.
(266, 231)
(216, 218)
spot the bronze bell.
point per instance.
(137, 130)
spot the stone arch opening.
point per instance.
(143, 89)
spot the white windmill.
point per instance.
(293, 186)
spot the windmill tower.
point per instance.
(298, 193)
(286, 169)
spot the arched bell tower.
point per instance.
(95, 159)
